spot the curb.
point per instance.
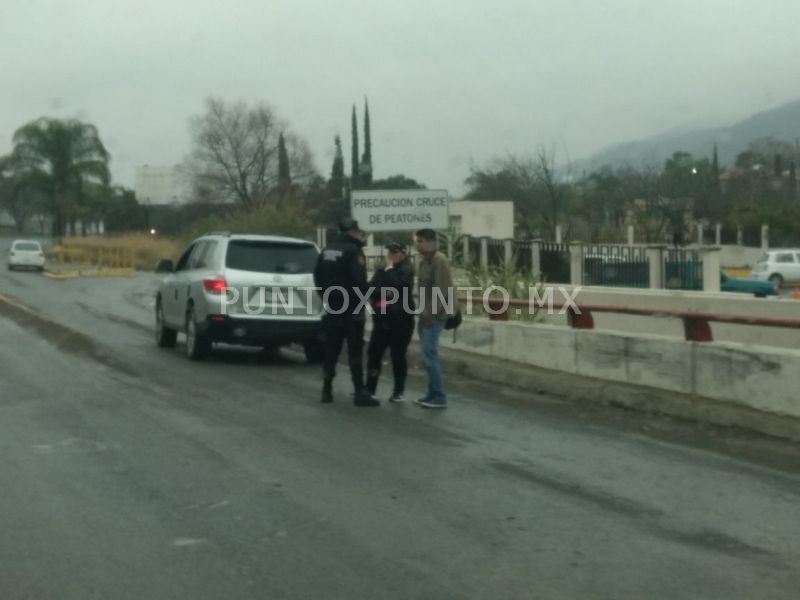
(95, 273)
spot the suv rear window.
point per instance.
(27, 246)
(271, 257)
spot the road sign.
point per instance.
(400, 210)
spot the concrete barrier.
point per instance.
(760, 378)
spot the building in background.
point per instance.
(482, 218)
(160, 185)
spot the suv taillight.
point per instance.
(215, 286)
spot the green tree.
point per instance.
(355, 182)
(791, 187)
(124, 213)
(16, 197)
(59, 157)
(691, 181)
(397, 182)
(602, 203)
(365, 170)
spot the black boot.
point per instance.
(362, 397)
(327, 391)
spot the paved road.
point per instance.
(129, 472)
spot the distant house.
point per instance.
(160, 185)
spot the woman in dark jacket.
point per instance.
(392, 323)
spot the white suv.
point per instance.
(252, 290)
(778, 267)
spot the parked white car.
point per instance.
(26, 254)
(779, 267)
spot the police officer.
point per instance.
(341, 275)
(392, 320)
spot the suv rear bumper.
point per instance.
(262, 332)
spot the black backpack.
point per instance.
(454, 321)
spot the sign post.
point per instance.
(400, 210)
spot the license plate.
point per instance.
(265, 296)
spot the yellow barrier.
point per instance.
(77, 260)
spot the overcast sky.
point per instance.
(450, 82)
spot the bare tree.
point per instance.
(234, 155)
(541, 194)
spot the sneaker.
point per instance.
(397, 397)
(427, 403)
(364, 398)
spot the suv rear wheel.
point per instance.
(197, 344)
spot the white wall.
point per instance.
(481, 218)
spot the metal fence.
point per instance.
(730, 235)
(611, 265)
(521, 252)
(683, 269)
(496, 252)
(555, 262)
(474, 251)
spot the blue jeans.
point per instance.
(429, 341)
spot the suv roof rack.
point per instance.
(222, 233)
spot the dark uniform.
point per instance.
(392, 326)
(340, 271)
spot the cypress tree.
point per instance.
(354, 178)
(336, 183)
(778, 165)
(715, 163)
(792, 182)
(366, 161)
(284, 173)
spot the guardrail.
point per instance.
(696, 325)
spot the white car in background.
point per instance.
(26, 254)
(778, 267)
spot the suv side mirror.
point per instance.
(165, 266)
